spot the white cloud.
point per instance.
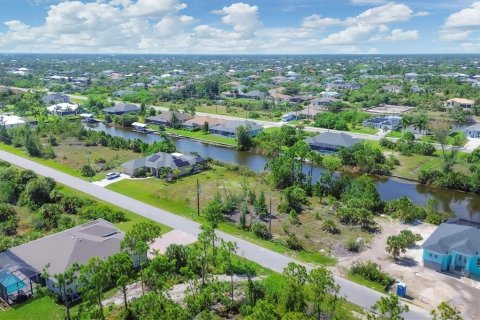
(160, 26)
(152, 8)
(371, 25)
(460, 25)
(242, 17)
(315, 21)
(388, 13)
(400, 35)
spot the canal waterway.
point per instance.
(461, 204)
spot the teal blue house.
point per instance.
(454, 247)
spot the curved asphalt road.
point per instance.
(353, 292)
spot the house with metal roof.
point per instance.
(229, 128)
(455, 247)
(22, 266)
(121, 108)
(331, 141)
(383, 123)
(165, 165)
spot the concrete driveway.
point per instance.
(105, 182)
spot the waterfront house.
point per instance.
(383, 123)
(121, 108)
(54, 98)
(165, 165)
(165, 118)
(331, 141)
(199, 121)
(454, 247)
(465, 104)
(473, 131)
(63, 109)
(229, 128)
(21, 267)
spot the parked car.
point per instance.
(112, 175)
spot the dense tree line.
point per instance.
(43, 207)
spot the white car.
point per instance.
(112, 175)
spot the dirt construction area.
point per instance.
(427, 287)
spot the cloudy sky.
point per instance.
(247, 26)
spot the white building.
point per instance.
(11, 121)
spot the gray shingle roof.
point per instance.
(464, 239)
(122, 107)
(96, 238)
(231, 126)
(333, 139)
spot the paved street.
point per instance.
(354, 293)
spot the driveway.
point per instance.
(105, 182)
(353, 292)
(161, 244)
(472, 144)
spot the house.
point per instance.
(22, 266)
(164, 164)
(63, 109)
(472, 131)
(8, 122)
(199, 121)
(121, 108)
(122, 93)
(416, 89)
(383, 123)
(255, 94)
(392, 89)
(229, 128)
(289, 117)
(465, 104)
(331, 141)
(325, 101)
(455, 247)
(165, 118)
(411, 76)
(55, 98)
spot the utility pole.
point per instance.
(198, 198)
(270, 219)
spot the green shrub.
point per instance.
(372, 272)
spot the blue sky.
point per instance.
(219, 26)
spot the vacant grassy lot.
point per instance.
(179, 197)
(235, 112)
(72, 153)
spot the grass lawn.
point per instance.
(452, 138)
(52, 163)
(234, 112)
(370, 284)
(360, 129)
(42, 308)
(394, 134)
(410, 166)
(202, 136)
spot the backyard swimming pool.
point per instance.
(11, 282)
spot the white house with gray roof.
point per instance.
(162, 164)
